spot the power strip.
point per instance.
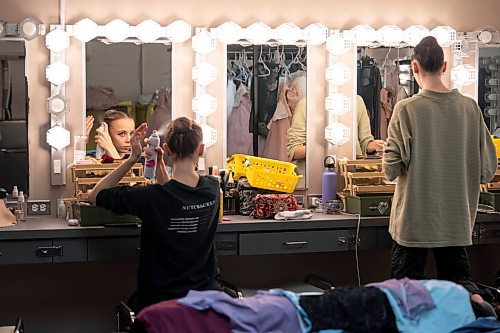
(39, 207)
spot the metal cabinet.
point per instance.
(293, 242)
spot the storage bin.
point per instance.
(369, 205)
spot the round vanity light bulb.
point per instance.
(338, 74)
(485, 36)
(315, 34)
(85, 30)
(148, 31)
(178, 31)
(338, 104)
(229, 32)
(463, 75)
(3, 27)
(203, 42)
(57, 73)
(338, 45)
(258, 33)
(390, 35)
(204, 104)
(116, 30)
(57, 104)
(414, 34)
(29, 28)
(444, 35)
(204, 74)
(363, 35)
(57, 40)
(288, 33)
(337, 134)
(209, 135)
(58, 137)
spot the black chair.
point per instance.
(18, 328)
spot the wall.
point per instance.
(334, 14)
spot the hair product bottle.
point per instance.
(150, 164)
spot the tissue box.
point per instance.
(369, 205)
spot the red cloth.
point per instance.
(170, 316)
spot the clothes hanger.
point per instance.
(267, 71)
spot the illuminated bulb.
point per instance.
(116, 31)
(85, 30)
(338, 45)
(209, 135)
(229, 32)
(57, 73)
(58, 137)
(30, 28)
(178, 31)
(57, 40)
(57, 104)
(338, 74)
(203, 42)
(363, 35)
(338, 104)
(148, 31)
(204, 104)
(444, 35)
(204, 74)
(258, 33)
(3, 27)
(463, 75)
(337, 134)
(390, 35)
(315, 34)
(288, 33)
(414, 34)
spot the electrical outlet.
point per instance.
(39, 207)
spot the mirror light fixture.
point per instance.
(57, 104)
(204, 74)
(315, 34)
(338, 104)
(463, 75)
(28, 29)
(363, 35)
(204, 104)
(229, 32)
(57, 73)
(178, 31)
(3, 28)
(445, 35)
(148, 31)
(116, 30)
(337, 133)
(338, 74)
(58, 137)
(209, 135)
(258, 33)
(203, 42)
(390, 35)
(414, 34)
(85, 30)
(337, 44)
(288, 33)
(57, 40)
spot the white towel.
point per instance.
(294, 215)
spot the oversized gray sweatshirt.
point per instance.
(440, 150)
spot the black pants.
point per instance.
(452, 263)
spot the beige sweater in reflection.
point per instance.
(440, 150)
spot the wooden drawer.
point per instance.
(293, 242)
(226, 244)
(25, 252)
(72, 250)
(109, 248)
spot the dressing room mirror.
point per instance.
(384, 77)
(14, 169)
(489, 86)
(266, 103)
(131, 78)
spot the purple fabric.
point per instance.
(413, 298)
(170, 316)
(259, 313)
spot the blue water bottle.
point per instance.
(329, 180)
(150, 163)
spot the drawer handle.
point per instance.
(1, 254)
(341, 241)
(49, 251)
(295, 245)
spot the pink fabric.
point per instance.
(239, 138)
(386, 106)
(170, 316)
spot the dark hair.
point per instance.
(183, 137)
(112, 115)
(429, 55)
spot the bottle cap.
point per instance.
(329, 164)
